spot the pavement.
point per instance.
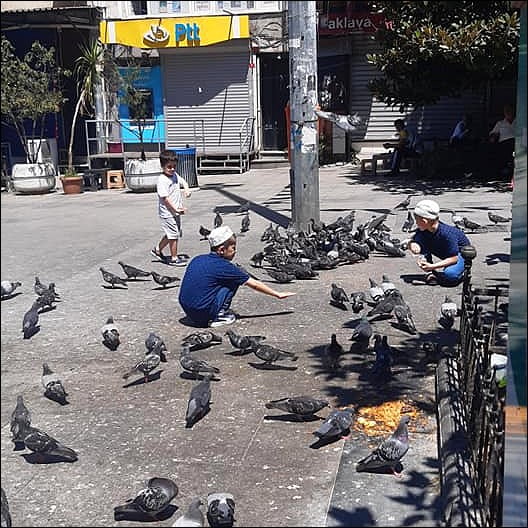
(127, 434)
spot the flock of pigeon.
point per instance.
(285, 257)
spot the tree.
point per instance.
(442, 48)
(30, 90)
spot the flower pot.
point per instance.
(33, 178)
(72, 184)
(142, 176)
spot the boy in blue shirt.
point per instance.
(211, 281)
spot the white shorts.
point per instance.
(171, 226)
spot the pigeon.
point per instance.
(39, 287)
(217, 222)
(199, 340)
(332, 353)
(131, 272)
(43, 444)
(112, 279)
(7, 288)
(404, 316)
(376, 222)
(20, 421)
(53, 387)
(110, 334)
(241, 342)
(30, 321)
(335, 424)
(387, 304)
(387, 285)
(193, 517)
(256, 259)
(469, 224)
(270, 354)
(154, 342)
(204, 232)
(281, 276)
(47, 298)
(448, 312)
(220, 510)
(6, 515)
(147, 364)
(358, 301)
(497, 219)
(245, 223)
(381, 369)
(338, 295)
(299, 405)
(362, 332)
(199, 402)
(457, 219)
(194, 365)
(404, 204)
(376, 291)
(348, 123)
(390, 451)
(409, 223)
(163, 280)
(150, 501)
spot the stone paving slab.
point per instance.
(127, 435)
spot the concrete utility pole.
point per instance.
(304, 141)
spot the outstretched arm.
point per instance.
(264, 288)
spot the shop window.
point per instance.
(175, 7)
(139, 8)
(163, 7)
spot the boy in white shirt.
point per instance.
(170, 208)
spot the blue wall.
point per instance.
(149, 78)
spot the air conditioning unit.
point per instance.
(47, 150)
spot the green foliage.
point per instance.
(442, 48)
(30, 90)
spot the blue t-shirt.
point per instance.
(204, 277)
(446, 242)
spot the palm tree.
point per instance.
(88, 72)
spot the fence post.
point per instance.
(468, 254)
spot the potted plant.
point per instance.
(72, 182)
(30, 91)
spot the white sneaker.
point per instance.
(223, 319)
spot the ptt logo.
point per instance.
(189, 32)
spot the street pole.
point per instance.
(303, 137)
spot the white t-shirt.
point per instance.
(504, 129)
(169, 187)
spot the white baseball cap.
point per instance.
(427, 209)
(219, 235)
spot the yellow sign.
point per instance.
(174, 32)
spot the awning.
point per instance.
(74, 17)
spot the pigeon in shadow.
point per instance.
(199, 402)
(218, 220)
(389, 452)
(131, 272)
(112, 279)
(53, 387)
(469, 224)
(244, 228)
(110, 334)
(301, 406)
(332, 354)
(362, 332)
(20, 421)
(204, 232)
(200, 340)
(163, 280)
(404, 316)
(409, 223)
(357, 299)
(448, 312)
(30, 321)
(7, 288)
(256, 259)
(281, 277)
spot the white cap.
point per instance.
(427, 209)
(219, 235)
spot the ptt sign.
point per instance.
(189, 32)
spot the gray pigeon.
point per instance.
(53, 387)
(380, 371)
(469, 224)
(110, 334)
(270, 354)
(199, 402)
(47, 298)
(220, 510)
(245, 223)
(298, 405)
(218, 221)
(7, 288)
(203, 339)
(338, 295)
(281, 276)
(30, 321)
(448, 312)
(150, 501)
(386, 305)
(358, 301)
(256, 259)
(387, 285)
(6, 515)
(376, 291)
(112, 279)
(332, 353)
(45, 445)
(409, 223)
(154, 342)
(497, 219)
(163, 280)
(390, 451)
(147, 364)
(404, 204)
(194, 365)
(335, 424)
(244, 343)
(20, 421)
(362, 332)
(404, 316)
(193, 517)
(131, 272)
(39, 287)
(204, 232)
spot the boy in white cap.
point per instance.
(433, 237)
(211, 281)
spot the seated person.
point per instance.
(461, 135)
(403, 148)
(503, 136)
(433, 237)
(211, 281)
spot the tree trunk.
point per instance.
(74, 121)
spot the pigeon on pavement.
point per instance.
(245, 223)
(299, 405)
(358, 301)
(362, 332)
(150, 501)
(448, 312)
(7, 288)
(335, 424)
(131, 272)
(194, 365)
(390, 451)
(39, 287)
(256, 259)
(218, 221)
(30, 321)
(47, 298)
(45, 445)
(110, 334)
(387, 285)
(409, 223)
(404, 316)
(154, 342)
(203, 339)
(270, 354)
(281, 276)
(112, 279)
(6, 515)
(469, 224)
(147, 364)
(338, 295)
(404, 204)
(204, 232)
(220, 510)
(386, 305)
(243, 343)
(20, 421)
(497, 219)
(193, 517)
(376, 291)
(332, 353)
(53, 387)
(163, 280)
(199, 402)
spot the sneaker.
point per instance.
(156, 253)
(177, 262)
(431, 280)
(223, 318)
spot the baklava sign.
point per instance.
(352, 23)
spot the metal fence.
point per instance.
(483, 389)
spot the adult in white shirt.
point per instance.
(503, 135)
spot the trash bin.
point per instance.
(187, 165)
